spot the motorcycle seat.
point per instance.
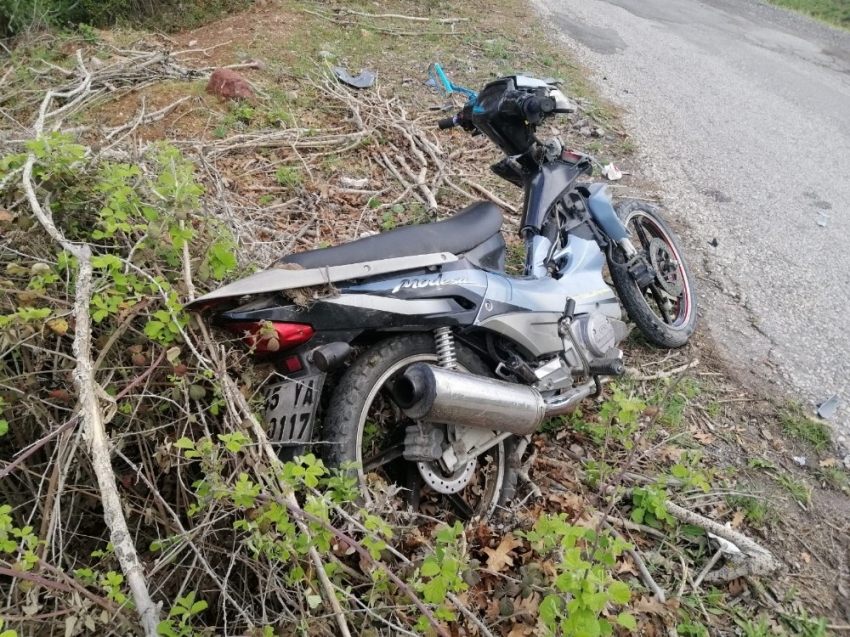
(463, 231)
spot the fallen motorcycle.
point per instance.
(428, 360)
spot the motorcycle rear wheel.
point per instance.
(665, 311)
(363, 425)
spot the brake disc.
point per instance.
(436, 478)
(666, 266)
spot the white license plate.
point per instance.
(291, 409)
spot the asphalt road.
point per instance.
(742, 115)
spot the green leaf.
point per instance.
(638, 515)
(314, 600)
(595, 601)
(430, 567)
(164, 628)
(627, 621)
(184, 443)
(435, 591)
(153, 328)
(620, 592)
(549, 609)
(4, 427)
(197, 607)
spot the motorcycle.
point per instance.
(427, 362)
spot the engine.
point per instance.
(590, 343)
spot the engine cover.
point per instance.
(595, 333)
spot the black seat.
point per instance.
(465, 230)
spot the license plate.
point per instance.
(291, 409)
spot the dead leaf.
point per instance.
(650, 606)
(58, 325)
(528, 604)
(670, 453)
(806, 557)
(5, 215)
(499, 559)
(627, 566)
(520, 630)
(704, 437)
(736, 586)
(737, 519)
(827, 462)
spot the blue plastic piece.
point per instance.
(440, 81)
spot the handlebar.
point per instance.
(448, 122)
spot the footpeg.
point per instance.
(606, 367)
(423, 443)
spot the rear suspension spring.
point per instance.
(446, 352)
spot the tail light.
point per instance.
(267, 337)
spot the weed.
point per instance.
(220, 132)
(797, 487)
(758, 511)
(496, 49)
(279, 118)
(332, 163)
(800, 427)
(392, 218)
(749, 629)
(674, 410)
(833, 476)
(515, 259)
(835, 12)
(759, 463)
(594, 148)
(289, 177)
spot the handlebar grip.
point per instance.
(448, 122)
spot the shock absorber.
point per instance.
(446, 352)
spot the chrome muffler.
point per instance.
(435, 394)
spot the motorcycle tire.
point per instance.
(362, 417)
(651, 234)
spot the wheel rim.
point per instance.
(657, 243)
(478, 498)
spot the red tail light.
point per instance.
(267, 337)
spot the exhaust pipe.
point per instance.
(450, 397)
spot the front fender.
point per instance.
(602, 210)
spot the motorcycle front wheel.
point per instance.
(364, 426)
(666, 310)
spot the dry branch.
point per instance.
(758, 560)
(89, 391)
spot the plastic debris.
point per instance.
(348, 182)
(828, 407)
(612, 172)
(822, 217)
(725, 545)
(800, 460)
(364, 80)
(438, 80)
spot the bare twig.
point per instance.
(636, 375)
(638, 560)
(396, 16)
